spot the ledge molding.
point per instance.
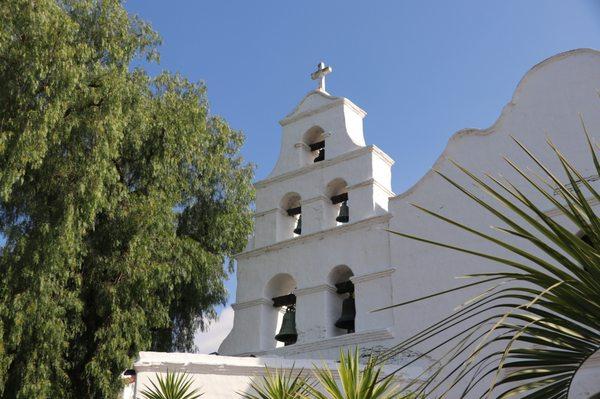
(319, 165)
(384, 218)
(252, 303)
(328, 343)
(372, 276)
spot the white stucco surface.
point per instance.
(222, 377)
(387, 269)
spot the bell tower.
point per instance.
(320, 211)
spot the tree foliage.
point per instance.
(121, 197)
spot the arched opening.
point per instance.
(341, 303)
(314, 138)
(291, 220)
(280, 320)
(337, 192)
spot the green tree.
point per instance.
(121, 198)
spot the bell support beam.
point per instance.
(284, 300)
(317, 146)
(336, 199)
(294, 211)
(346, 287)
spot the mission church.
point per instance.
(323, 259)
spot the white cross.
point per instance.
(320, 74)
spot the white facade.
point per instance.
(385, 268)
(278, 262)
(222, 377)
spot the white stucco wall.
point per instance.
(306, 262)
(222, 377)
(546, 105)
(386, 269)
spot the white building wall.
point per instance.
(388, 269)
(546, 105)
(223, 377)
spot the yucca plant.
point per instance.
(171, 386)
(541, 310)
(355, 382)
(278, 385)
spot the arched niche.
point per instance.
(289, 217)
(279, 285)
(337, 193)
(338, 274)
(314, 139)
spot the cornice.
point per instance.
(323, 164)
(322, 197)
(313, 290)
(302, 145)
(384, 157)
(216, 365)
(252, 303)
(314, 199)
(457, 139)
(328, 343)
(263, 213)
(315, 236)
(369, 182)
(298, 292)
(372, 276)
(237, 365)
(334, 101)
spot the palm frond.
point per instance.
(538, 318)
(171, 386)
(355, 382)
(278, 384)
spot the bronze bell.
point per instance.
(344, 215)
(298, 229)
(346, 320)
(320, 156)
(287, 333)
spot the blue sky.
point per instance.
(421, 69)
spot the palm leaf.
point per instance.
(171, 386)
(278, 385)
(355, 382)
(541, 312)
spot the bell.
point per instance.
(287, 332)
(344, 215)
(346, 321)
(298, 229)
(320, 156)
